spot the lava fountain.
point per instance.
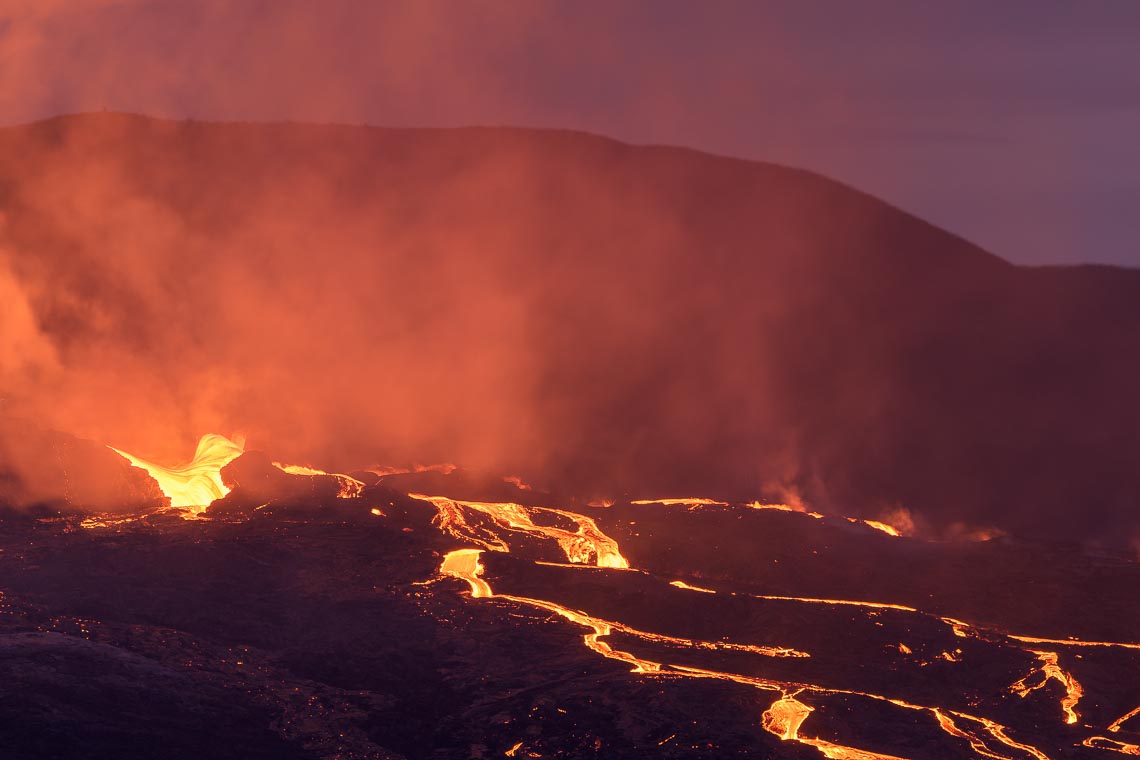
(198, 482)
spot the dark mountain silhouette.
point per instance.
(603, 318)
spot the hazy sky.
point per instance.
(1013, 124)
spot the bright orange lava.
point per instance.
(1050, 670)
(587, 545)
(350, 487)
(784, 718)
(492, 525)
(198, 482)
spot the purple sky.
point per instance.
(1013, 124)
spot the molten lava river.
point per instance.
(649, 627)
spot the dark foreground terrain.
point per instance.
(310, 627)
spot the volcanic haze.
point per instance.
(598, 317)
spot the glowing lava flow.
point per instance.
(1116, 724)
(1074, 642)
(1050, 670)
(783, 508)
(195, 484)
(694, 502)
(490, 524)
(587, 545)
(783, 719)
(444, 468)
(464, 564)
(1112, 745)
(350, 487)
(890, 530)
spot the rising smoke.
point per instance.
(597, 318)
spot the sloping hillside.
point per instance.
(598, 317)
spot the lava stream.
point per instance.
(1074, 642)
(350, 487)
(587, 545)
(692, 502)
(687, 587)
(196, 484)
(1050, 670)
(1114, 727)
(590, 543)
(784, 719)
(1112, 745)
(465, 565)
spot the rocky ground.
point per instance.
(313, 628)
